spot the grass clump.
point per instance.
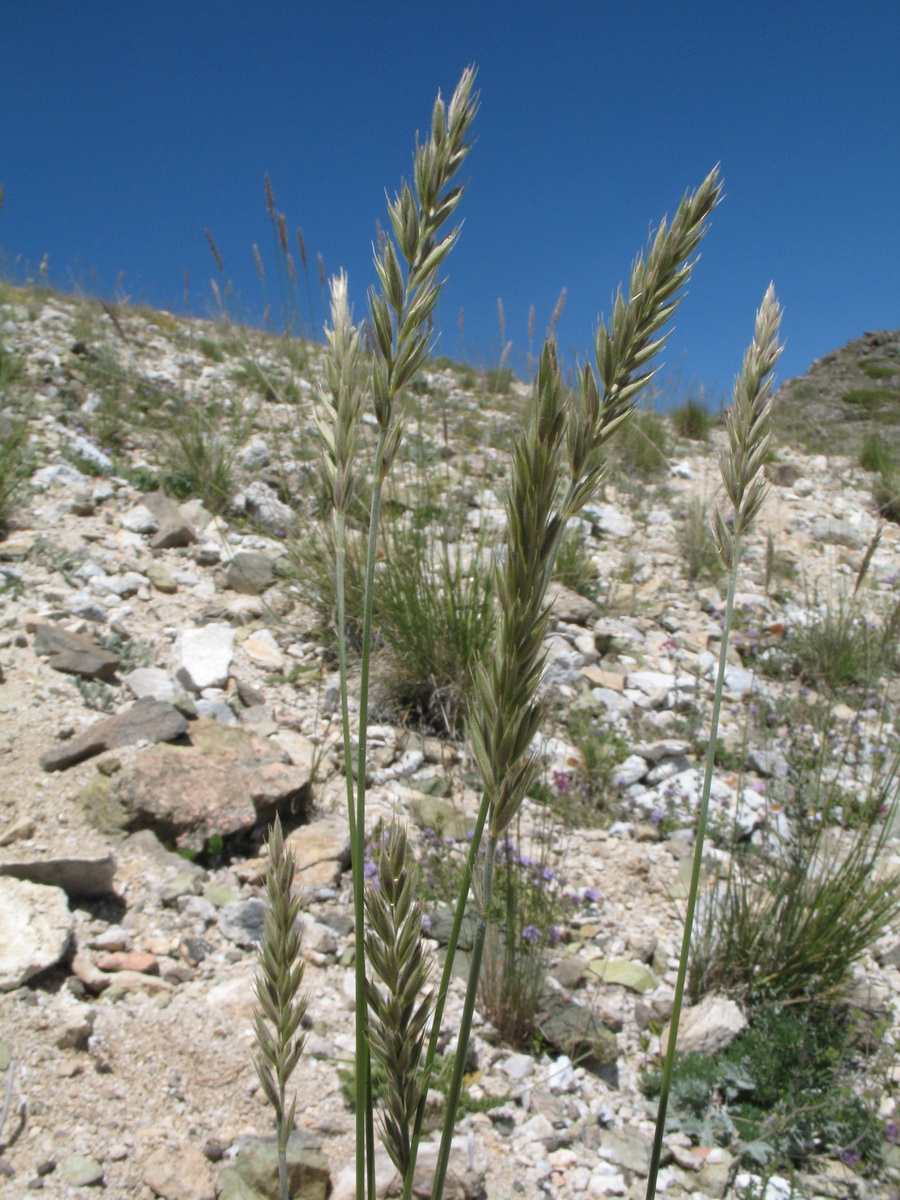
(702, 561)
(575, 567)
(691, 420)
(15, 466)
(643, 444)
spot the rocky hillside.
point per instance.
(855, 389)
(168, 684)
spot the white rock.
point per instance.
(262, 649)
(140, 520)
(151, 681)
(201, 658)
(708, 1027)
(35, 927)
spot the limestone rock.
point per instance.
(576, 1031)
(202, 657)
(321, 852)
(172, 528)
(708, 1027)
(146, 721)
(631, 975)
(78, 877)
(35, 928)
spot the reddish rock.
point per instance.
(128, 960)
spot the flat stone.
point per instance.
(631, 975)
(146, 721)
(250, 572)
(202, 657)
(262, 649)
(78, 877)
(128, 960)
(75, 654)
(35, 928)
(19, 831)
(226, 781)
(152, 682)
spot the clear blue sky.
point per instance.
(127, 129)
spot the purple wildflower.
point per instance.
(531, 934)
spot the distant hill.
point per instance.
(844, 396)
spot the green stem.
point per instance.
(444, 988)
(465, 1025)
(282, 1153)
(694, 889)
(365, 1150)
(340, 576)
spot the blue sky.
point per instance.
(129, 129)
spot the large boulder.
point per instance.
(226, 781)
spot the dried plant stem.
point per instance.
(749, 425)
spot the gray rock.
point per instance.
(151, 683)
(263, 506)
(576, 1032)
(80, 1170)
(172, 528)
(140, 520)
(708, 1027)
(74, 654)
(836, 533)
(146, 721)
(254, 1175)
(35, 929)
(243, 922)
(202, 657)
(78, 877)
(250, 572)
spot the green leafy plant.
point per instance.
(779, 1094)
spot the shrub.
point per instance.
(691, 420)
(868, 398)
